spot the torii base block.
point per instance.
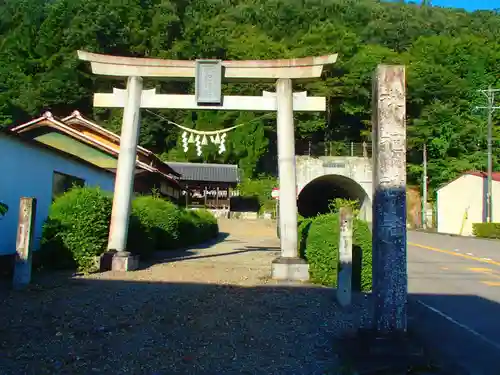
(290, 269)
(125, 262)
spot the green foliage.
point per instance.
(260, 189)
(207, 224)
(160, 220)
(319, 241)
(197, 226)
(449, 54)
(486, 230)
(3, 209)
(337, 203)
(77, 228)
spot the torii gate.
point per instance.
(209, 75)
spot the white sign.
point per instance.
(275, 194)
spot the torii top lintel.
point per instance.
(119, 66)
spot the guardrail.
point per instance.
(332, 148)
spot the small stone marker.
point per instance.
(24, 242)
(344, 276)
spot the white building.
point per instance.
(462, 202)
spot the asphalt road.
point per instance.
(455, 284)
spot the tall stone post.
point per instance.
(390, 281)
(289, 266)
(24, 242)
(124, 182)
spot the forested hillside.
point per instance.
(449, 54)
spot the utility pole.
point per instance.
(490, 95)
(424, 189)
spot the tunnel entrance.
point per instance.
(316, 195)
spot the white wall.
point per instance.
(26, 171)
(465, 194)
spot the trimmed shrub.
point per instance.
(138, 240)
(76, 229)
(160, 220)
(486, 230)
(208, 226)
(3, 209)
(304, 224)
(197, 226)
(319, 239)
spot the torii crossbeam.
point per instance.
(266, 102)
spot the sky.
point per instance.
(468, 4)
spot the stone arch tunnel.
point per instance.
(315, 197)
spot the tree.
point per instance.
(449, 54)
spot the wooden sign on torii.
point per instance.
(209, 75)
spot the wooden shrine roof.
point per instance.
(223, 173)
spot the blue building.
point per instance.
(45, 157)
(31, 169)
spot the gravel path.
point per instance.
(211, 310)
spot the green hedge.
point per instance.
(319, 239)
(3, 209)
(77, 228)
(196, 224)
(486, 230)
(160, 220)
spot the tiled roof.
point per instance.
(206, 172)
(48, 119)
(77, 118)
(495, 176)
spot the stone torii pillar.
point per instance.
(208, 75)
(289, 266)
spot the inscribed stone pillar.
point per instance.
(124, 181)
(390, 282)
(24, 242)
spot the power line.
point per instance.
(490, 96)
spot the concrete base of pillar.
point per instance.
(291, 269)
(125, 262)
(104, 262)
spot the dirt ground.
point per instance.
(210, 310)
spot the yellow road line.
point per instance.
(491, 283)
(454, 254)
(486, 271)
